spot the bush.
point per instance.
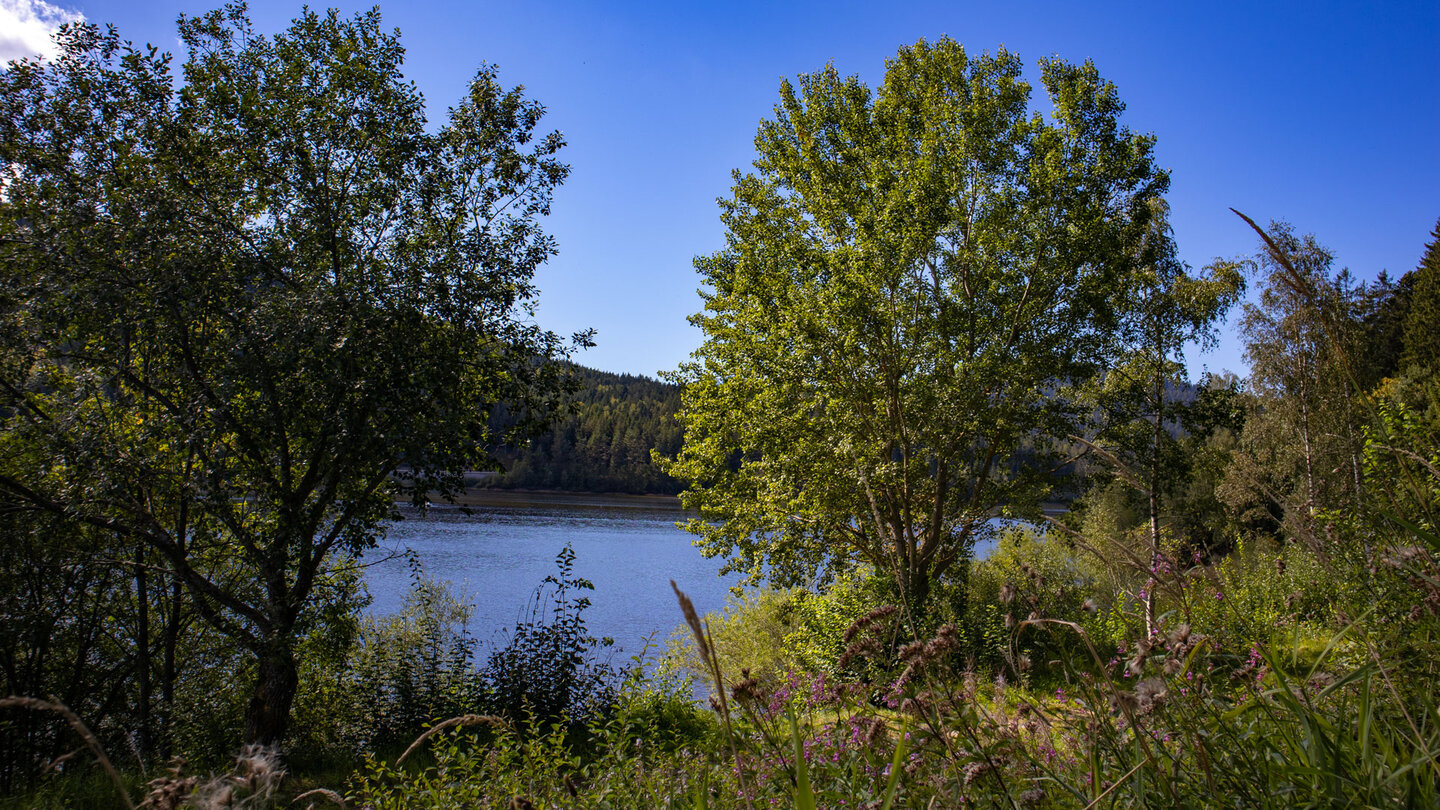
(547, 670)
(1030, 573)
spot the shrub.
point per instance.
(547, 670)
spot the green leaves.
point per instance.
(914, 277)
(267, 298)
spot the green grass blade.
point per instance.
(804, 795)
(894, 780)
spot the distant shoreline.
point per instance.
(485, 496)
(488, 497)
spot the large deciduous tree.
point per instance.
(246, 308)
(913, 280)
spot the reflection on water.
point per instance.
(496, 556)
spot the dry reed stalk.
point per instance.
(463, 720)
(53, 705)
(712, 662)
(324, 793)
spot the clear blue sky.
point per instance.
(1323, 114)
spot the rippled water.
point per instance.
(497, 556)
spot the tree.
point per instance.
(1167, 308)
(1422, 317)
(248, 309)
(913, 280)
(1302, 449)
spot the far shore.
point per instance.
(486, 496)
(491, 497)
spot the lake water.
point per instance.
(497, 556)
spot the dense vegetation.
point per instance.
(604, 444)
(221, 367)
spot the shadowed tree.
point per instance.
(247, 308)
(1167, 308)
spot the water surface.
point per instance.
(498, 554)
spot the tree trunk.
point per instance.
(168, 667)
(276, 680)
(1158, 404)
(1309, 467)
(144, 733)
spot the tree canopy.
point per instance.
(913, 280)
(248, 307)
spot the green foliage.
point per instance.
(653, 704)
(403, 672)
(1170, 308)
(913, 277)
(771, 632)
(547, 670)
(604, 445)
(655, 750)
(408, 671)
(217, 349)
(1030, 573)
(816, 639)
(1300, 451)
(1270, 597)
(749, 635)
(58, 637)
(1422, 318)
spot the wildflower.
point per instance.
(867, 647)
(868, 621)
(947, 639)
(747, 690)
(913, 652)
(1007, 593)
(1032, 797)
(875, 732)
(1179, 635)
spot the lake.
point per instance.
(629, 547)
(496, 556)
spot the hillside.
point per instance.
(605, 446)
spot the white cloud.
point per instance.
(27, 28)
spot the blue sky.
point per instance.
(1323, 114)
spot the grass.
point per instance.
(1208, 714)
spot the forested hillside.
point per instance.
(604, 446)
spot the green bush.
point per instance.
(547, 670)
(1030, 574)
